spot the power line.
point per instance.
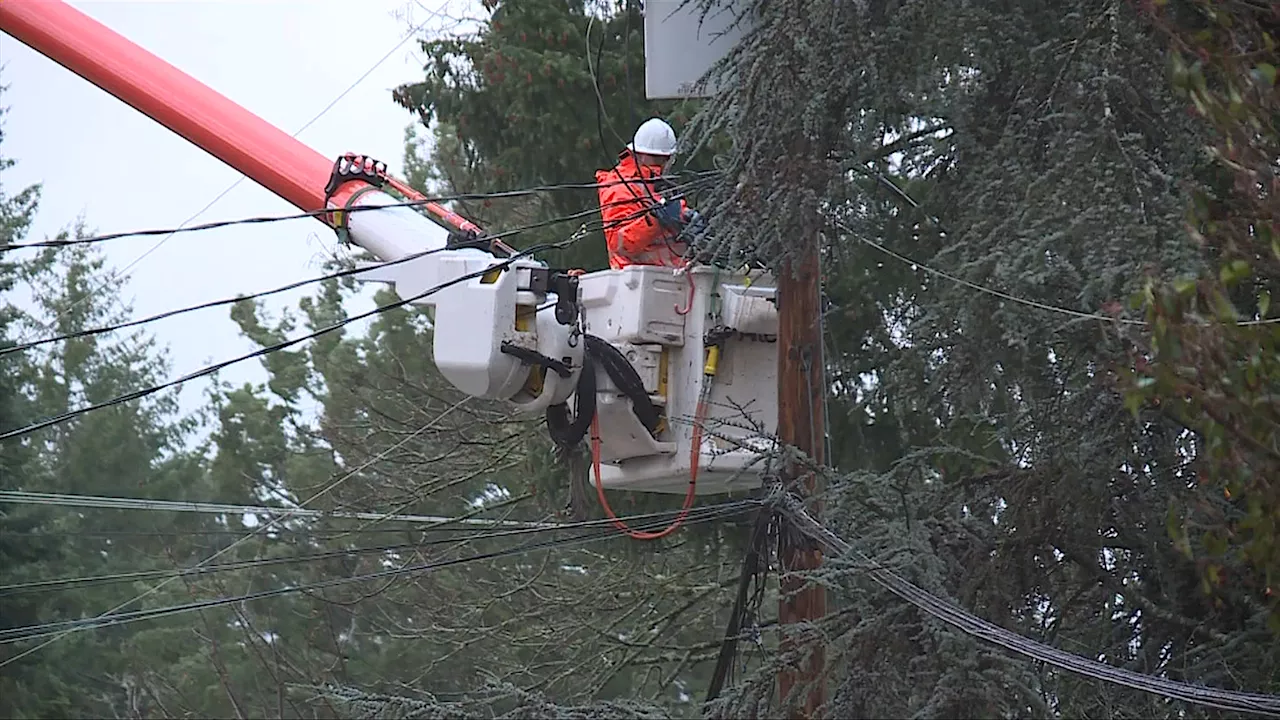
(531, 528)
(116, 275)
(32, 632)
(265, 219)
(245, 538)
(211, 369)
(347, 272)
(1078, 314)
(90, 332)
(307, 532)
(100, 502)
(981, 629)
(433, 522)
(93, 580)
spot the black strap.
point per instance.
(568, 432)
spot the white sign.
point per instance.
(678, 49)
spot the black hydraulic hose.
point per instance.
(568, 433)
(564, 431)
(627, 380)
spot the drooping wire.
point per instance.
(32, 632)
(290, 342)
(90, 332)
(701, 176)
(100, 502)
(347, 272)
(755, 565)
(976, 627)
(534, 528)
(323, 111)
(307, 532)
(1078, 314)
(417, 522)
(602, 112)
(53, 584)
(259, 530)
(211, 369)
(626, 63)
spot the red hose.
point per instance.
(695, 454)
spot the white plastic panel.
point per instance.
(750, 309)
(679, 49)
(742, 409)
(473, 318)
(636, 305)
(647, 360)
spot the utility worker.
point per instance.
(640, 226)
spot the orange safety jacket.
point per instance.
(633, 234)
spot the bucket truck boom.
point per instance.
(638, 348)
(488, 364)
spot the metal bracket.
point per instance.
(355, 167)
(533, 357)
(565, 286)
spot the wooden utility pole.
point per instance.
(801, 394)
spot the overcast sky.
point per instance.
(284, 60)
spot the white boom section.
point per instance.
(474, 312)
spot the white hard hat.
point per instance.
(654, 137)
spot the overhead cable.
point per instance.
(346, 272)
(102, 502)
(531, 528)
(307, 532)
(211, 369)
(975, 626)
(1078, 314)
(266, 219)
(211, 568)
(90, 332)
(260, 530)
(32, 632)
(120, 503)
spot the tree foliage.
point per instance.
(20, 552)
(988, 181)
(542, 93)
(1208, 358)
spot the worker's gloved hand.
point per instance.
(694, 222)
(668, 214)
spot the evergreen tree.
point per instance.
(1205, 359)
(23, 555)
(543, 93)
(133, 450)
(986, 180)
